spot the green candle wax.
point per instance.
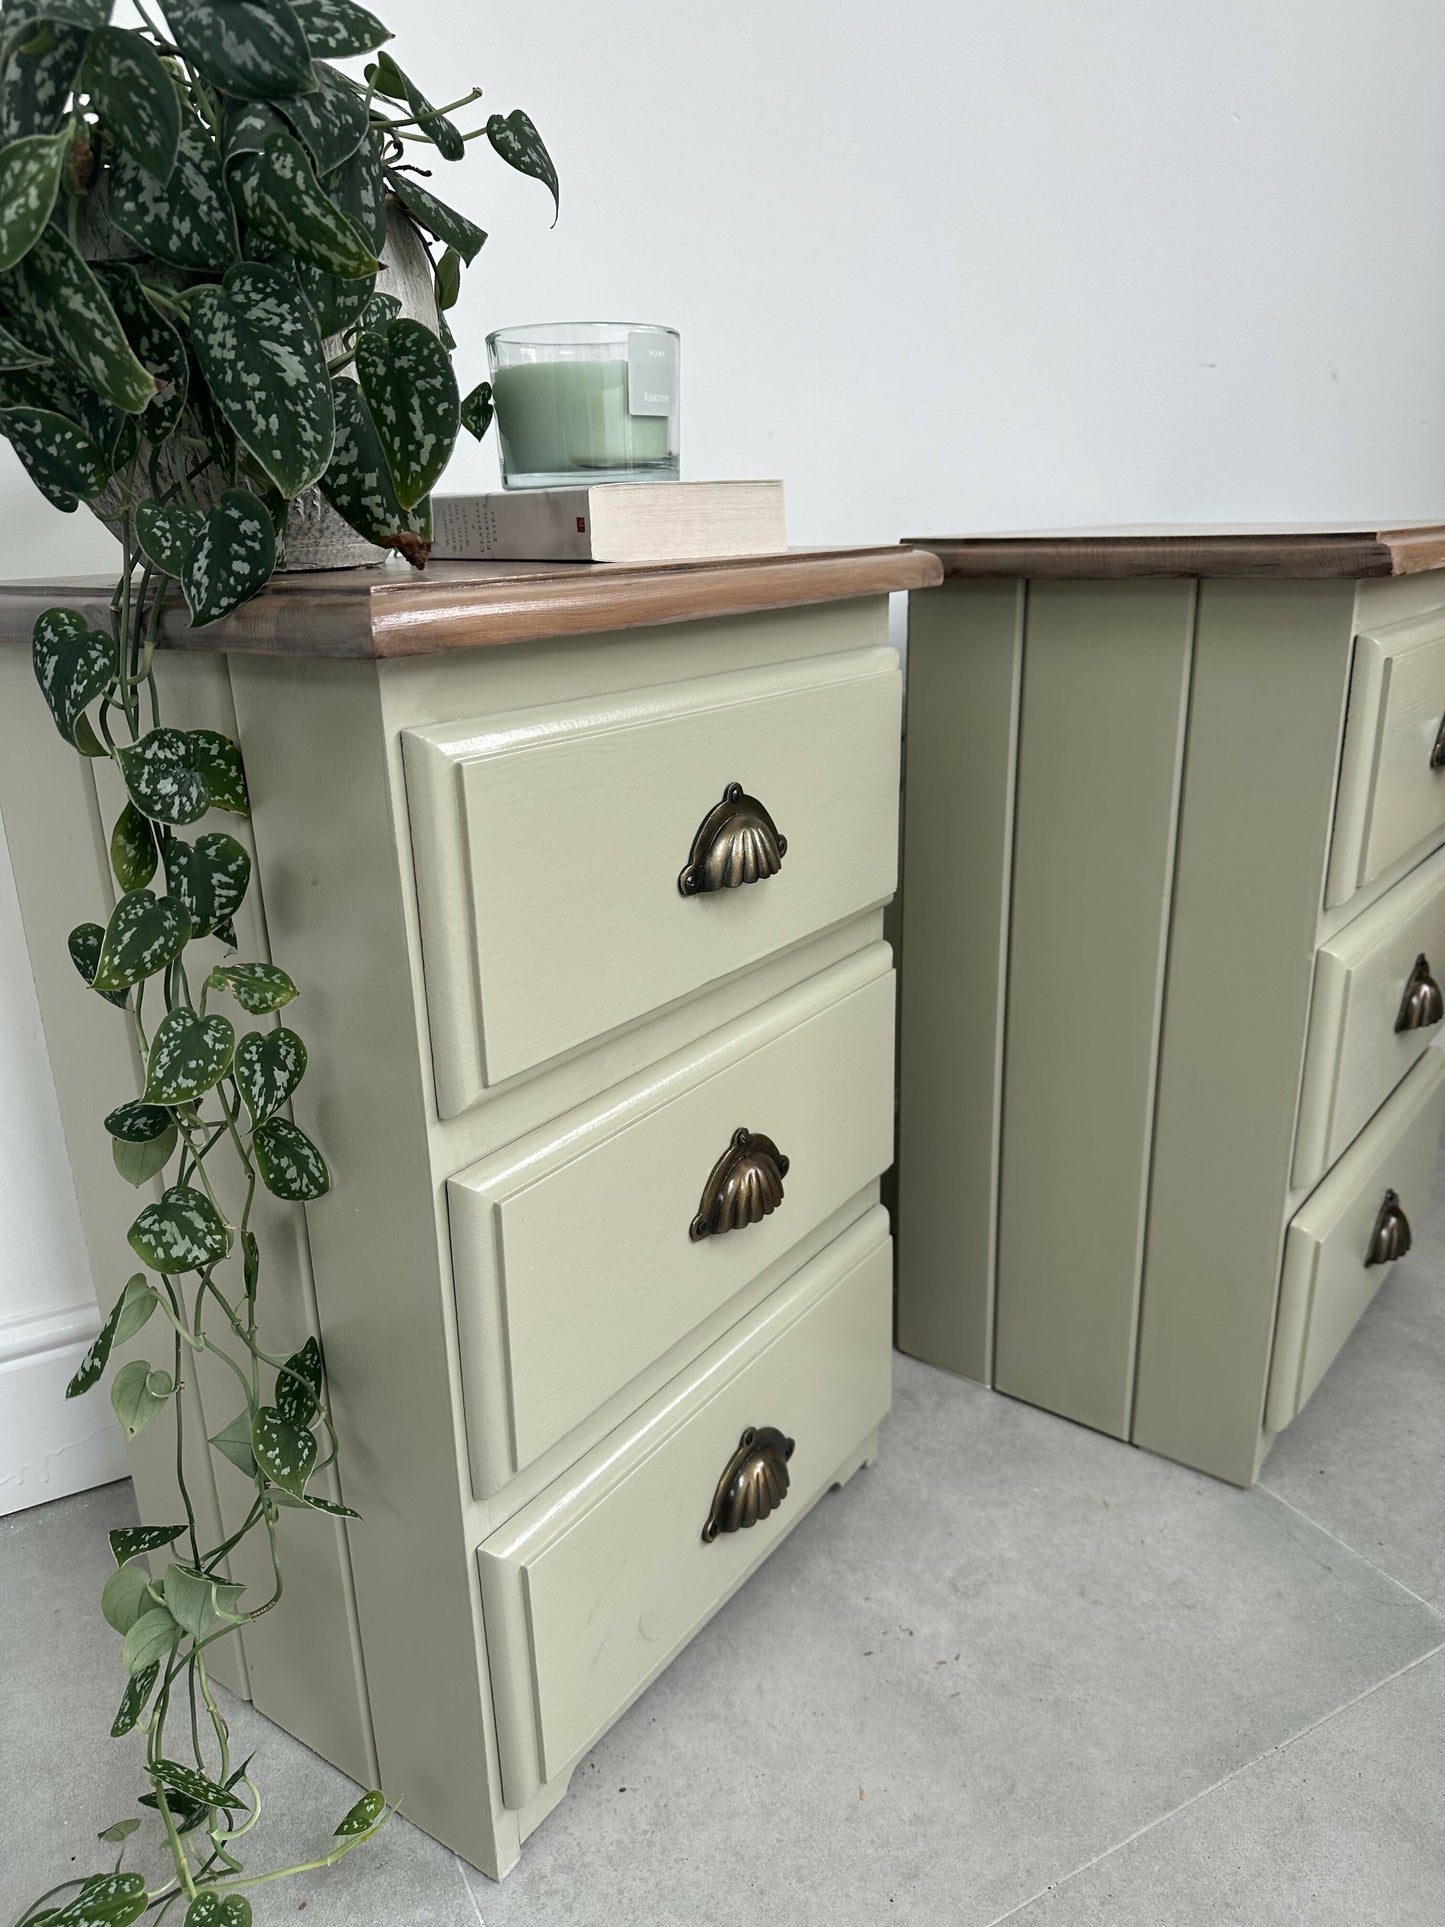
(556, 417)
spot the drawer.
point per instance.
(1377, 975)
(550, 845)
(1392, 796)
(594, 1587)
(1326, 1283)
(573, 1258)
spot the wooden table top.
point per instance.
(392, 610)
(1287, 554)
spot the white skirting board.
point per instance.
(50, 1445)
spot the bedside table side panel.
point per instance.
(1271, 670)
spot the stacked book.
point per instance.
(612, 522)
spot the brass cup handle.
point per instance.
(1422, 1005)
(737, 842)
(1391, 1237)
(744, 1186)
(754, 1482)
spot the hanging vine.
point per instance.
(192, 335)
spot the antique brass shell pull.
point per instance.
(1423, 1004)
(1390, 1238)
(745, 1184)
(754, 1482)
(1437, 754)
(737, 842)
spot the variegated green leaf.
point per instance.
(335, 28)
(189, 221)
(133, 1701)
(358, 483)
(285, 1452)
(291, 1167)
(61, 295)
(280, 196)
(454, 229)
(411, 393)
(259, 349)
(134, 96)
(477, 410)
(219, 761)
(358, 190)
(233, 560)
(137, 1122)
(84, 943)
(209, 877)
(269, 1065)
(246, 127)
(334, 302)
(29, 183)
(252, 49)
(144, 934)
(132, 849)
(139, 1163)
(233, 1442)
(73, 665)
(36, 79)
(187, 1814)
(128, 1542)
(378, 312)
(298, 1385)
(72, 13)
(211, 1908)
(167, 533)
(256, 987)
(388, 79)
(197, 1603)
(127, 1315)
(313, 1502)
(161, 776)
(106, 1900)
(15, 355)
(194, 1786)
(125, 1596)
(330, 123)
(139, 1395)
(158, 346)
(520, 146)
(180, 1233)
(61, 459)
(189, 1055)
(363, 1816)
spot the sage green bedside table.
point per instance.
(581, 872)
(1173, 932)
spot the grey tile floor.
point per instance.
(1014, 1672)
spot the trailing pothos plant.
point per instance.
(195, 329)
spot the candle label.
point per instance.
(651, 374)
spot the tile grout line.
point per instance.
(467, 1888)
(1354, 1551)
(1206, 1792)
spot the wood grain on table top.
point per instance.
(1287, 554)
(392, 610)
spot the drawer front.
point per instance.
(1392, 795)
(574, 1260)
(550, 844)
(1376, 1006)
(592, 1589)
(1326, 1282)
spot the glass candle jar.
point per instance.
(586, 401)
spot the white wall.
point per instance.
(944, 266)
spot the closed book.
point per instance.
(612, 522)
